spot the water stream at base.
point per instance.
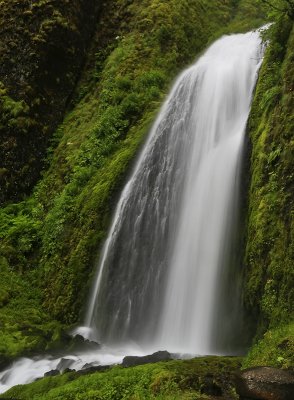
(168, 274)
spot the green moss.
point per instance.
(269, 277)
(25, 327)
(275, 348)
(192, 379)
(13, 113)
(269, 287)
(42, 49)
(248, 15)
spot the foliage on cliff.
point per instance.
(43, 44)
(269, 285)
(275, 348)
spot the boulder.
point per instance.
(265, 383)
(131, 361)
(53, 372)
(210, 387)
(90, 369)
(4, 361)
(78, 343)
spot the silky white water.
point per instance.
(168, 271)
(26, 370)
(168, 274)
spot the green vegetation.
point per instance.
(269, 253)
(43, 44)
(269, 275)
(278, 8)
(275, 349)
(50, 241)
(192, 379)
(24, 326)
(249, 15)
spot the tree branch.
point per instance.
(272, 6)
(289, 9)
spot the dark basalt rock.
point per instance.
(265, 383)
(78, 342)
(89, 368)
(131, 361)
(43, 48)
(53, 372)
(70, 344)
(210, 387)
(4, 362)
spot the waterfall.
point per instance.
(168, 272)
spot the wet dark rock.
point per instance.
(4, 362)
(43, 47)
(90, 369)
(89, 365)
(78, 342)
(210, 387)
(265, 383)
(53, 372)
(71, 344)
(131, 361)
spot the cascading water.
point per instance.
(165, 278)
(164, 275)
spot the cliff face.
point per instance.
(43, 45)
(269, 275)
(269, 252)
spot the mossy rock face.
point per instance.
(269, 278)
(269, 258)
(43, 45)
(275, 348)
